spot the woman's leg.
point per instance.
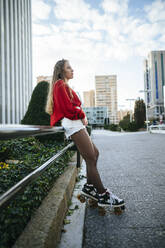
(88, 152)
(96, 152)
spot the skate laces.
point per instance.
(91, 187)
(113, 197)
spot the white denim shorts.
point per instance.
(71, 126)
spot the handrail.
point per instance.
(11, 131)
(18, 187)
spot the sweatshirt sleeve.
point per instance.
(69, 110)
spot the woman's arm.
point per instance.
(70, 111)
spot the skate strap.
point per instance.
(103, 193)
(90, 185)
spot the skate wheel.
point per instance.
(117, 211)
(92, 203)
(123, 207)
(101, 211)
(81, 198)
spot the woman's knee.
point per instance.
(91, 158)
(97, 153)
(85, 146)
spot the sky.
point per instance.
(98, 37)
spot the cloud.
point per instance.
(39, 29)
(74, 26)
(94, 35)
(119, 7)
(146, 32)
(118, 37)
(71, 10)
(40, 10)
(92, 40)
(162, 38)
(155, 11)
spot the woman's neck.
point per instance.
(66, 80)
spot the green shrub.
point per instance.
(112, 127)
(126, 125)
(36, 114)
(132, 126)
(31, 154)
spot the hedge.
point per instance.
(30, 154)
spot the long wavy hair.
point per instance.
(58, 73)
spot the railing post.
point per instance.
(78, 159)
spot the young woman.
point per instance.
(64, 105)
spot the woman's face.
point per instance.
(68, 71)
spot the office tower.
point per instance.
(106, 95)
(89, 98)
(154, 81)
(15, 59)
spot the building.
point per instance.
(154, 81)
(89, 98)
(96, 115)
(123, 112)
(106, 95)
(44, 78)
(15, 59)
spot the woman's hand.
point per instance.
(85, 121)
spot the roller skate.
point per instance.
(109, 200)
(90, 194)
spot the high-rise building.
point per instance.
(106, 95)
(89, 98)
(154, 82)
(15, 59)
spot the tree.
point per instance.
(126, 125)
(140, 113)
(36, 114)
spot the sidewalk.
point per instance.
(132, 166)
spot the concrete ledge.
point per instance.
(158, 131)
(44, 228)
(74, 231)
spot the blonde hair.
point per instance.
(58, 73)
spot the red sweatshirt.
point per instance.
(64, 106)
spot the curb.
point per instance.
(44, 228)
(73, 231)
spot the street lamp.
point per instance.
(130, 99)
(146, 91)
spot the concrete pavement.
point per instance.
(132, 166)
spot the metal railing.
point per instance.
(157, 128)
(10, 131)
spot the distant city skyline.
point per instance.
(98, 38)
